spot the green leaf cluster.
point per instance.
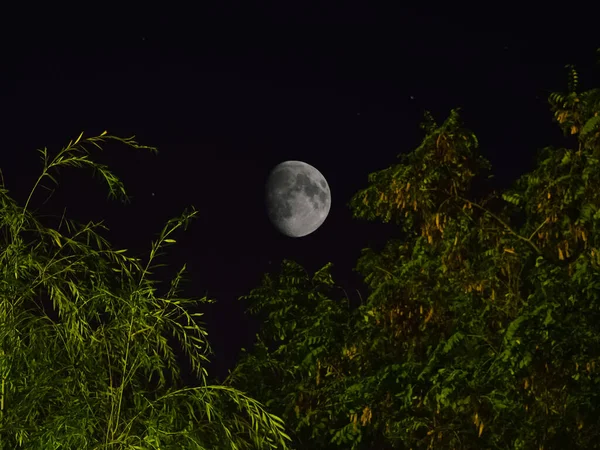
(87, 341)
(481, 325)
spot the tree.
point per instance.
(296, 351)
(77, 376)
(482, 325)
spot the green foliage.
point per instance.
(299, 347)
(478, 332)
(97, 371)
(577, 113)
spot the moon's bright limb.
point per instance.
(298, 198)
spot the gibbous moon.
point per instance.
(298, 198)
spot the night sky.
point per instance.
(227, 99)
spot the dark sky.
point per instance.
(228, 94)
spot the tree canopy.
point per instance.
(83, 327)
(481, 327)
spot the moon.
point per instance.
(298, 198)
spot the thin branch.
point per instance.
(539, 228)
(510, 230)
(389, 273)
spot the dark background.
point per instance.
(228, 92)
